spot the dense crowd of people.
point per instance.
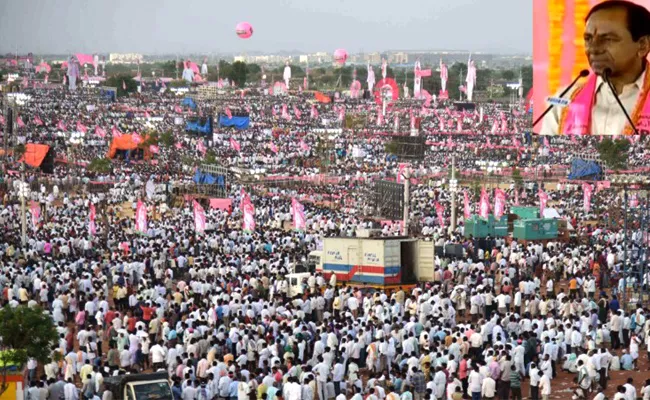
(215, 310)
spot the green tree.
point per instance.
(100, 165)
(121, 82)
(517, 178)
(167, 139)
(614, 152)
(508, 75)
(25, 333)
(392, 147)
(238, 73)
(210, 158)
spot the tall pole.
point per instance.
(23, 211)
(407, 187)
(453, 193)
(624, 244)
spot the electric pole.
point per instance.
(407, 186)
(453, 186)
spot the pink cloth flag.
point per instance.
(137, 139)
(504, 125)
(199, 217)
(123, 85)
(442, 125)
(178, 110)
(35, 210)
(92, 228)
(342, 114)
(247, 208)
(81, 127)
(298, 213)
(85, 59)
(200, 147)
(99, 131)
(154, 149)
(115, 132)
(484, 205)
(141, 217)
(304, 146)
(516, 197)
(61, 126)
(546, 143)
(459, 126)
(380, 118)
(587, 191)
(440, 212)
(37, 120)
(427, 97)
(19, 122)
(146, 114)
(179, 145)
(634, 201)
(495, 127)
(235, 145)
(467, 211)
(2, 120)
(314, 112)
(273, 147)
(401, 171)
(396, 123)
(305, 83)
(543, 199)
(297, 112)
(285, 112)
(602, 185)
(499, 203)
(228, 112)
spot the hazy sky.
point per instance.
(169, 26)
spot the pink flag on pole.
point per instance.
(440, 212)
(543, 199)
(499, 203)
(146, 114)
(179, 145)
(199, 217)
(141, 217)
(401, 171)
(2, 120)
(396, 123)
(297, 112)
(602, 185)
(546, 143)
(137, 139)
(484, 205)
(298, 211)
(235, 145)
(37, 120)
(459, 126)
(61, 126)
(35, 210)
(247, 208)
(285, 112)
(304, 146)
(92, 228)
(228, 112)
(178, 110)
(99, 131)
(81, 127)
(314, 112)
(273, 147)
(516, 197)
(342, 114)
(115, 132)
(200, 147)
(587, 191)
(504, 125)
(19, 122)
(154, 149)
(467, 211)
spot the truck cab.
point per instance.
(295, 281)
(154, 386)
(314, 260)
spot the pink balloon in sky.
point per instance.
(340, 56)
(244, 30)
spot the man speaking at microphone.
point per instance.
(617, 43)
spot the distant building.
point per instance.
(125, 58)
(398, 58)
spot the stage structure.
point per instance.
(410, 148)
(210, 181)
(388, 200)
(587, 166)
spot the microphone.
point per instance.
(606, 74)
(583, 74)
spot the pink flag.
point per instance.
(484, 205)
(467, 211)
(115, 132)
(2, 120)
(304, 146)
(314, 112)
(342, 114)
(495, 127)
(499, 203)
(380, 118)
(587, 191)
(37, 120)
(504, 125)
(228, 112)
(81, 127)
(396, 123)
(19, 122)
(137, 139)
(440, 212)
(178, 110)
(200, 147)
(285, 112)
(602, 185)
(442, 125)
(92, 228)
(99, 131)
(297, 112)
(179, 145)
(273, 147)
(298, 212)
(199, 217)
(35, 210)
(235, 145)
(543, 199)
(60, 126)
(401, 171)
(275, 113)
(516, 197)
(634, 201)
(248, 223)
(141, 217)
(412, 120)
(154, 149)
(304, 83)
(459, 126)
(146, 114)
(546, 143)
(123, 85)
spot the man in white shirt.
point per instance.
(544, 385)
(475, 384)
(488, 388)
(630, 390)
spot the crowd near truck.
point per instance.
(154, 386)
